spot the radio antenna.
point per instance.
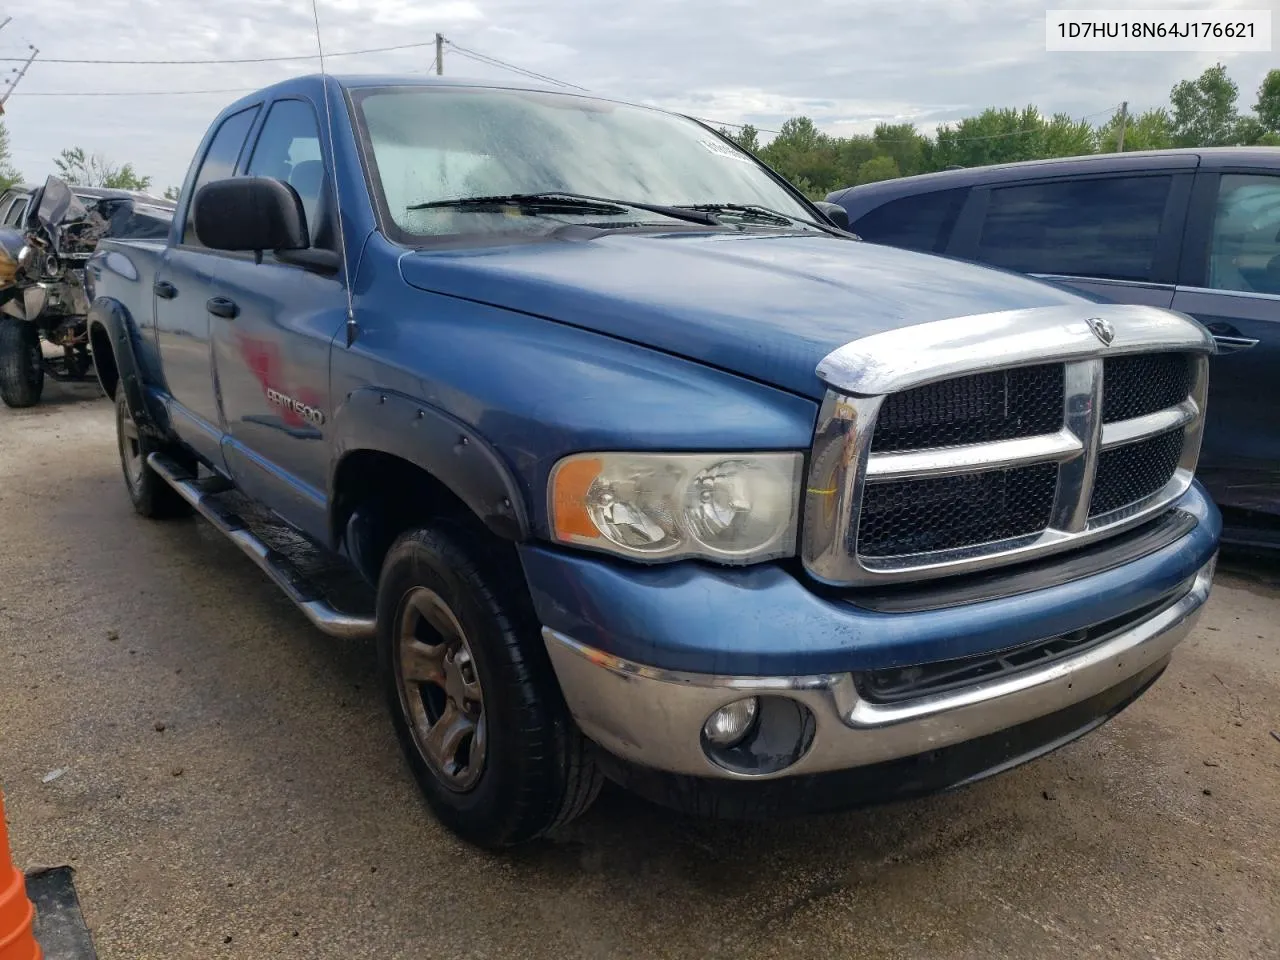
(337, 191)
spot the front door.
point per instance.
(1233, 287)
(273, 326)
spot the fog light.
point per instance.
(731, 723)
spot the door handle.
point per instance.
(164, 289)
(222, 307)
(1233, 344)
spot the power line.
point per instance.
(494, 61)
(186, 63)
(726, 123)
(134, 93)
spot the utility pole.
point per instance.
(6, 22)
(439, 54)
(16, 80)
(1124, 122)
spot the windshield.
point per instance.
(430, 144)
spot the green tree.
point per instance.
(802, 151)
(171, 193)
(904, 144)
(851, 153)
(746, 136)
(1064, 137)
(1151, 130)
(126, 178)
(994, 136)
(9, 175)
(883, 167)
(1268, 106)
(1204, 110)
(75, 166)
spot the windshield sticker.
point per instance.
(723, 150)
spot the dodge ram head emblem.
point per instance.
(1102, 330)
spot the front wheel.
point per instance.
(21, 363)
(472, 696)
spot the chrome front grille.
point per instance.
(926, 464)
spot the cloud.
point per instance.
(848, 64)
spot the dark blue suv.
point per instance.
(1197, 231)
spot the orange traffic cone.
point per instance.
(17, 915)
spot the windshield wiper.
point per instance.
(554, 201)
(752, 211)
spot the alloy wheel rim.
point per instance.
(439, 689)
(130, 448)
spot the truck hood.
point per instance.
(765, 306)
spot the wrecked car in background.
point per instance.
(48, 234)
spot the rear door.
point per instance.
(273, 332)
(1114, 235)
(184, 283)
(1230, 282)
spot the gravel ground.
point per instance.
(232, 788)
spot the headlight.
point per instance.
(730, 507)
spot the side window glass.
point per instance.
(288, 149)
(1089, 228)
(12, 215)
(1244, 253)
(921, 222)
(219, 161)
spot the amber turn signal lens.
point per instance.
(569, 503)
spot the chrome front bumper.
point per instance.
(654, 717)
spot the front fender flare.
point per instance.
(457, 456)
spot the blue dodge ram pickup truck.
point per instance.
(648, 469)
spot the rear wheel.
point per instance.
(150, 494)
(21, 363)
(473, 699)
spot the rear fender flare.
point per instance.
(443, 446)
(112, 317)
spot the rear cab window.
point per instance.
(13, 215)
(219, 162)
(920, 222)
(1106, 227)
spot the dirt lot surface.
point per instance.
(232, 787)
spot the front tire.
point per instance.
(21, 363)
(472, 696)
(150, 494)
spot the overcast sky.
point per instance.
(848, 64)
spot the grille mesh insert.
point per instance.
(942, 513)
(982, 407)
(1138, 385)
(1133, 472)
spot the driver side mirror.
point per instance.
(257, 214)
(250, 213)
(834, 212)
